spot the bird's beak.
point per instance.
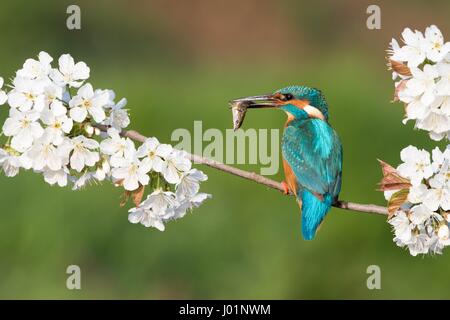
(262, 101)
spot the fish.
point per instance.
(238, 109)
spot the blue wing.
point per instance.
(314, 152)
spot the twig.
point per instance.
(341, 204)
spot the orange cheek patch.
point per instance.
(301, 104)
(304, 105)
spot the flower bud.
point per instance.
(443, 232)
(89, 130)
(399, 67)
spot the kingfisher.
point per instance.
(311, 151)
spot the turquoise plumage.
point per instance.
(311, 149)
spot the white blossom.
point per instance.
(27, 94)
(395, 54)
(85, 179)
(69, 72)
(416, 166)
(412, 52)
(174, 165)
(146, 218)
(189, 184)
(434, 45)
(419, 214)
(187, 203)
(9, 163)
(23, 128)
(421, 223)
(160, 201)
(117, 147)
(44, 153)
(154, 153)
(419, 244)
(443, 232)
(57, 126)
(415, 109)
(63, 138)
(3, 95)
(118, 117)
(53, 97)
(36, 69)
(444, 104)
(198, 199)
(87, 102)
(103, 170)
(426, 91)
(402, 227)
(132, 172)
(155, 210)
(59, 177)
(417, 193)
(434, 122)
(438, 196)
(439, 158)
(422, 84)
(83, 154)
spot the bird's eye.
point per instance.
(288, 96)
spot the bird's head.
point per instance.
(299, 102)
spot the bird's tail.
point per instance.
(313, 212)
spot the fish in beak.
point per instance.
(239, 106)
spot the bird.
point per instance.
(311, 150)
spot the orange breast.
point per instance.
(290, 178)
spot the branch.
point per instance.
(341, 204)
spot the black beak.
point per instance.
(262, 101)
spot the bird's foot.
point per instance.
(285, 186)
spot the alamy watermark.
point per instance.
(373, 21)
(73, 21)
(249, 146)
(374, 280)
(73, 281)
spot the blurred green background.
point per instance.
(180, 61)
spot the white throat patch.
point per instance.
(313, 112)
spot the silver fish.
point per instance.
(238, 109)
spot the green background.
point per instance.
(177, 62)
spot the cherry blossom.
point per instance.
(84, 153)
(77, 141)
(132, 172)
(36, 69)
(433, 43)
(3, 95)
(69, 72)
(175, 163)
(416, 166)
(23, 128)
(86, 102)
(421, 222)
(425, 89)
(117, 147)
(154, 153)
